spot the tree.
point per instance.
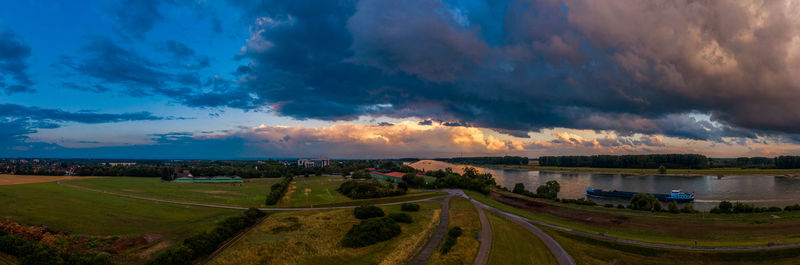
(519, 188)
(725, 206)
(549, 190)
(662, 170)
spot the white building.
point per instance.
(320, 162)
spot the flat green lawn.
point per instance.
(585, 250)
(312, 237)
(464, 215)
(755, 229)
(251, 193)
(316, 191)
(76, 211)
(513, 244)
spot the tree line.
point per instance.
(682, 161)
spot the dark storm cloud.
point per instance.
(96, 88)
(518, 66)
(42, 114)
(177, 49)
(134, 18)
(105, 60)
(13, 53)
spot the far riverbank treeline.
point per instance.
(674, 161)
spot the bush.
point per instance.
(367, 211)
(725, 206)
(455, 232)
(645, 202)
(452, 236)
(401, 218)
(608, 205)
(549, 190)
(368, 189)
(369, 232)
(795, 207)
(673, 207)
(176, 256)
(409, 207)
(662, 170)
(688, 208)
(774, 209)
(278, 190)
(620, 206)
(519, 188)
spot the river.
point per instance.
(708, 190)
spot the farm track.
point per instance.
(485, 237)
(444, 221)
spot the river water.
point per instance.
(708, 190)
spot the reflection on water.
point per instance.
(709, 190)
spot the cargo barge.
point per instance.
(675, 195)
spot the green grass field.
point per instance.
(754, 229)
(320, 191)
(585, 250)
(312, 237)
(645, 171)
(513, 244)
(251, 193)
(464, 215)
(81, 212)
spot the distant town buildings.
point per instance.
(320, 162)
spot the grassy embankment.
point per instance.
(645, 171)
(85, 213)
(8, 260)
(312, 237)
(710, 230)
(321, 192)
(513, 244)
(464, 215)
(304, 192)
(585, 250)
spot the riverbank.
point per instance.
(645, 171)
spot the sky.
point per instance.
(236, 79)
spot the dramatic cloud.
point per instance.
(518, 66)
(13, 52)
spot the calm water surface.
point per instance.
(708, 190)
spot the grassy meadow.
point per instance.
(710, 230)
(585, 250)
(251, 193)
(312, 237)
(464, 215)
(320, 191)
(513, 244)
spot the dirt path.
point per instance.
(426, 252)
(561, 255)
(485, 237)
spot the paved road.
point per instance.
(485, 237)
(444, 221)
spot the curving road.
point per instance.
(444, 221)
(485, 236)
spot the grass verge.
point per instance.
(513, 244)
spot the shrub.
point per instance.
(688, 208)
(725, 206)
(620, 206)
(774, 209)
(278, 190)
(549, 190)
(645, 202)
(608, 205)
(452, 236)
(409, 207)
(401, 218)
(176, 256)
(455, 232)
(662, 170)
(795, 207)
(367, 211)
(368, 189)
(673, 207)
(369, 232)
(519, 188)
